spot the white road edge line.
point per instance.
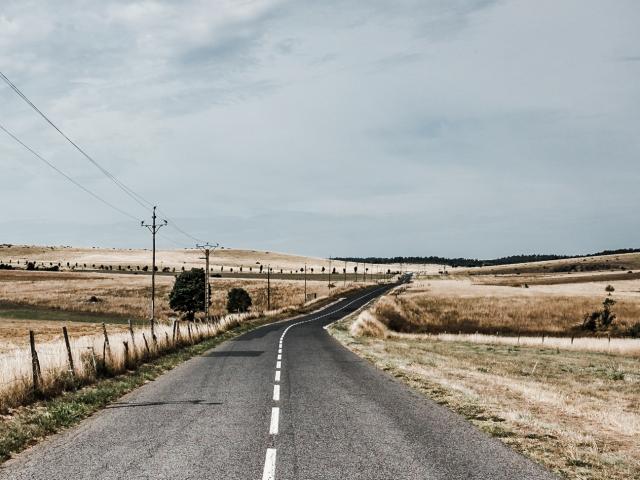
(275, 419)
(269, 472)
(276, 393)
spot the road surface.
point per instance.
(285, 401)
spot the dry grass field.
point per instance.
(576, 412)
(470, 305)
(128, 295)
(223, 258)
(603, 263)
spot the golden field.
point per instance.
(222, 258)
(484, 305)
(601, 263)
(120, 297)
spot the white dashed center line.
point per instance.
(269, 472)
(276, 393)
(275, 419)
(277, 375)
(278, 364)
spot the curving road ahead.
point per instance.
(285, 401)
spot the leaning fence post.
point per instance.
(69, 356)
(173, 337)
(35, 363)
(146, 345)
(189, 331)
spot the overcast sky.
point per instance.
(427, 127)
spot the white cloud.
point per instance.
(346, 116)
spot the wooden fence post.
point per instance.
(146, 345)
(173, 338)
(35, 363)
(69, 356)
(105, 347)
(189, 331)
(126, 354)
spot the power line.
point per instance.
(75, 182)
(136, 197)
(131, 193)
(171, 240)
(173, 224)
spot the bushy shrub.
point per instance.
(634, 330)
(238, 300)
(600, 320)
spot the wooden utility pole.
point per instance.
(344, 270)
(269, 287)
(329, 274)
(305, 283)
(207, 249)
(153, 228)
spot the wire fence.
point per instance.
(45, 366)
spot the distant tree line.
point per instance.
(474, 262)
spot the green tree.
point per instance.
(238, 300)
(187, 294)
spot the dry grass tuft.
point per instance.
(367, 325)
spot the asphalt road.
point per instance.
(236, 413)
